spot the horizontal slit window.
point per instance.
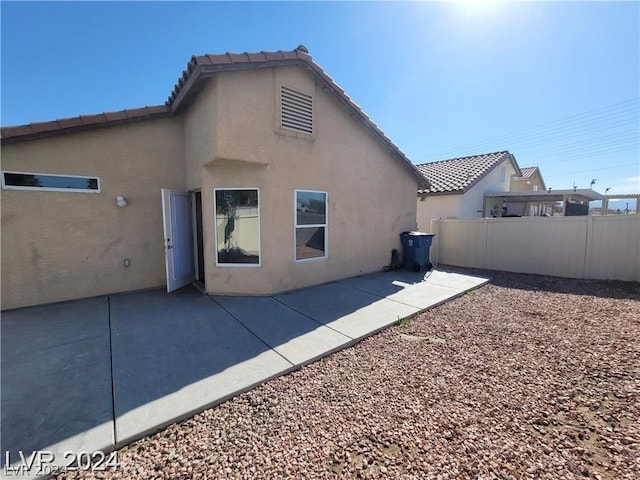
(49, 182)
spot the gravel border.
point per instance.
(528, 377)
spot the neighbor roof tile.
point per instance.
(457, 175)
(527, 172)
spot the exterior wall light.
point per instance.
(121, 201)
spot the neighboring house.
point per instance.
(531, 180)
(266, 169)
(458, 186)
(565, 203)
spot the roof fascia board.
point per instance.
(515, 164)
(544, 185)
(440, 194)
(185, 89)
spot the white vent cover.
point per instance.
(297, 110)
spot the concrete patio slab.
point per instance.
(100, 373)
(296, 337)
(419, 290)
(423, 296)
(455, 280)
(174, 355)
(348, 310)
(56, 380)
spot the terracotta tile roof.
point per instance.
(32, 131)
(186, 89)
(457, 175)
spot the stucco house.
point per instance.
(258, 175)
(530, 180)
(530, 197)
(458, 187)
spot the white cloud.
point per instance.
(633, 180)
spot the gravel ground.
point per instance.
(527, 377)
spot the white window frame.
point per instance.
(215, 230)
(49, 189)
(502, 174)
(324, 225)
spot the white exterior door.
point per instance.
(178, 238)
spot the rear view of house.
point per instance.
(259, 175)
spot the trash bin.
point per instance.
(415, 250)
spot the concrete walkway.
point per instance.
(99, 373)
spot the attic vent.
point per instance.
(297, 110)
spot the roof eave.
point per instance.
(438, 194)
(515, 164)
(36, 135)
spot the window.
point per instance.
(49, 182)
(237, 227)
(502, 174)
(296, 110)
(310, 225)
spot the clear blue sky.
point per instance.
(557, 84)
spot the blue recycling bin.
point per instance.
(415, 249)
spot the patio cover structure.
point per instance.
(544, 197)
(627, 196)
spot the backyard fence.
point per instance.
(598, 247)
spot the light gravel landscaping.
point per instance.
(528, 377)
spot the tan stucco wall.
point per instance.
(200, 134)
(528, 184)
(65, 245)
(437, 206)
(371, 197)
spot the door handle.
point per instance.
(169, 246)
